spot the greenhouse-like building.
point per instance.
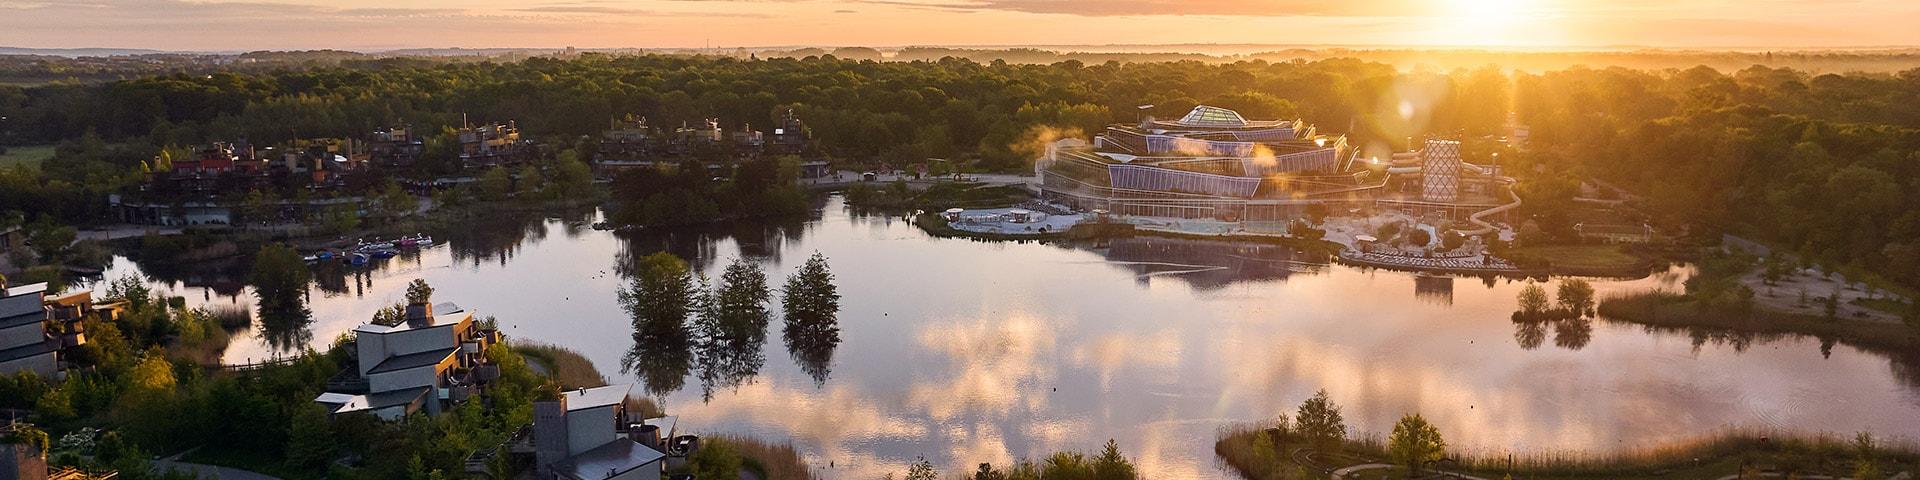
(1213, 163)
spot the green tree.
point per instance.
(742, 301)
(310, 439)
(1575, 296)
(279, 278)
(810, 298)
(1319, 421)
(571, 176)
(1110, 465)
(418, 292)
(495, 184)
(1533, 299)
(659, 299)
(395, 202)
(1414, 442)
(922, 470)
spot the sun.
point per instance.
(1482, 22)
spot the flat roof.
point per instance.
(581, 399)
(27, 289)
(413, 360)
(444, 314)
(606, 461)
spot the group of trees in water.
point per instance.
(1570, 313)
(685, 323)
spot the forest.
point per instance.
(1825, 165)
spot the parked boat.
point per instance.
(417, 240)
(357, 259)
(384, 253)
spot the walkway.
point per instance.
(1345, 471)
(213, 472)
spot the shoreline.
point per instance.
(1674, 311)
(1711, 455)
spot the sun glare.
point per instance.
(1482, 22)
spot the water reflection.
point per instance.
(1206, 264)
(967, 352)
(811, 345)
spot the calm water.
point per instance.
(966, 352)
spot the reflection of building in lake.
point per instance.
(1208, 264)
(1433, 288)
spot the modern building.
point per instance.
(429, 361)
(493, 144)
(1215, 164)
(35, 329)
(586, 434)
(395, 147)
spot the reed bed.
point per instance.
(571, 369)
(772, 461)
(1728, 449)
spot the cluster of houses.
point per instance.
(203, 185)
(630, 142)
(434, 359)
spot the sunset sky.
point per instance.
(372, 24)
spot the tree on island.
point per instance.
(659, 299)
(1575, 297)
(1319, 421)
(731, 323)
(279, 279)
(812, 306)
(1414, 442)
(1533, 300)
(742, 298)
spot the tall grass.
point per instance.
(1675, 311)
(772, 461)
(1761, 446)
(231, 317)
(567, 367)
(1237, 448)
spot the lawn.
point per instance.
(27, 155)
(1586, 256)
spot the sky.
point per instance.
(220, 25)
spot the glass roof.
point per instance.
(1211, 116)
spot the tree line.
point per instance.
(1820, 164)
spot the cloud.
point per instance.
(1117, 8)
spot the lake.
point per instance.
(965, 351)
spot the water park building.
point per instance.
(1215, 164)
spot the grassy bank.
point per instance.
(1676, 311)
(567, 367)
(27, 155)
(771, 461)
(1604, 260)
(937, 196)
(1710, 456)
